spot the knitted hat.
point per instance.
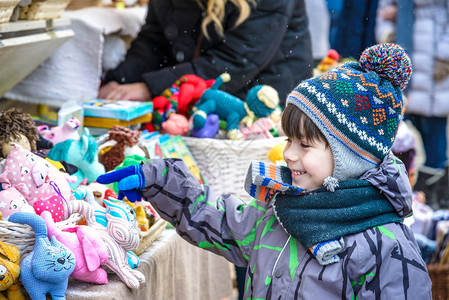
(358, 107)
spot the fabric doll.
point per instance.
(48, 267)
(17, 127)
(88, 247)
(261, 101)
(9, 272)
(13, 199)
(176, 124)
(48, 189)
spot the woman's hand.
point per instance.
(133, 91)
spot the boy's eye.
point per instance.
(304, 145)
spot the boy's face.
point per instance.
(310, 163)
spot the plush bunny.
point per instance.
(88, 247)
(9, 272)
(261, 101)
(120, 234)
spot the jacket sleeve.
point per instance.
(145, 54)
(245, 50)
(225, 226)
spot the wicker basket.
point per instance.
(79, 4)
(22, 235)
(224, 163)
(43, 10)
(439, 274)
(6, 9)
(149, 236)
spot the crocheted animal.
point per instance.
(119, 234)
(176, 125)
(82, 153)
(122, 142)
(48, 267)
(13, 199)
(261, 101)
(58, 134)
(88, 247)
(9, 272)
(43, 180)
(209, 130)
(17, 127)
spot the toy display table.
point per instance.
(174, 269)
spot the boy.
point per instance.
(342, 240)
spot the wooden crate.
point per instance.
(79, 4)
(6, 9)
(43, 10)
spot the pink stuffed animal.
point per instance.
(88, 247)
(120, 235)
(47, 187)
(58, 134)
(260, 129)
(176, 125)
(13, 199)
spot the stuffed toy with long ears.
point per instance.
(14, 199)
(88, 247)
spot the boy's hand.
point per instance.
(130, 182)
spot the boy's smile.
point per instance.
(309, 162)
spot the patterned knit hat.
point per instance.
(358, 107)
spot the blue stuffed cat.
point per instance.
(48, 267)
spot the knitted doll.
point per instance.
(261, 101)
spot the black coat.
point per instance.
(271, 47)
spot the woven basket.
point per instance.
(22, 235)
(79, 4)
(439, 274)
(6, 9)
(224, 163)
(43, 10)
(149, 236)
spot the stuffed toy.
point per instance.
(328, 62)
(119, 234)
(260, 129)
(48, 267)
(276, 154)
(58, 134)
(17, 127)
(9, 272)
(82, 153)
(209, 130)
(101, 192)
(65, 168)
(176, 125)
(261, 101)
(122, 142)
(88, 247)
(13, 199)
(48, 189)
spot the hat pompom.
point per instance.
(389, 61)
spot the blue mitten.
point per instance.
(130, 182)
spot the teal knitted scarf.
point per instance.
(322, 216)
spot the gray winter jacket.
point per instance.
(430, 42)
(383, 262)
